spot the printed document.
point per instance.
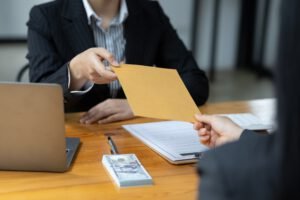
(176, 141)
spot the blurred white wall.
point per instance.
(180, 14)
(271, 41)
(272, 34)
(13, 17)
(227, 37)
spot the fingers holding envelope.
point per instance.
(216, 130)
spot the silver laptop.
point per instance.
(32, 128)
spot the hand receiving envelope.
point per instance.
(156, 93)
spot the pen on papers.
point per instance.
(113, 147)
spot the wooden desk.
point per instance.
(87, 178)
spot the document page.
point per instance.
(249, 121)
(178, 141)
(174, 140)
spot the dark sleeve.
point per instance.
(211, 184)
(174, 53)
(46, 65)
(230, 171)
(250, 135)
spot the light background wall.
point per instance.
(14, 15)
(272, 34)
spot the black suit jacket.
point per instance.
(59, 30)
(246, 169)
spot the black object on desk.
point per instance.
(113, 147)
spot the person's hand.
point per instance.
(108, 111)
(88, 66)
(216, 130)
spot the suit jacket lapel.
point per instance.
(75, 26)
(134, 30)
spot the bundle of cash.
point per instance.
(126, 170)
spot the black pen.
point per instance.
(113, 147)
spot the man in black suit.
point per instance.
(246, 169)
(259, 166)
(72, 43)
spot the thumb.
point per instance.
(105, 54)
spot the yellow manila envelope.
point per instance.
(156, 93)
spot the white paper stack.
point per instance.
(176, 141)
(249, 121)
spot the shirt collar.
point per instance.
(119, 19)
